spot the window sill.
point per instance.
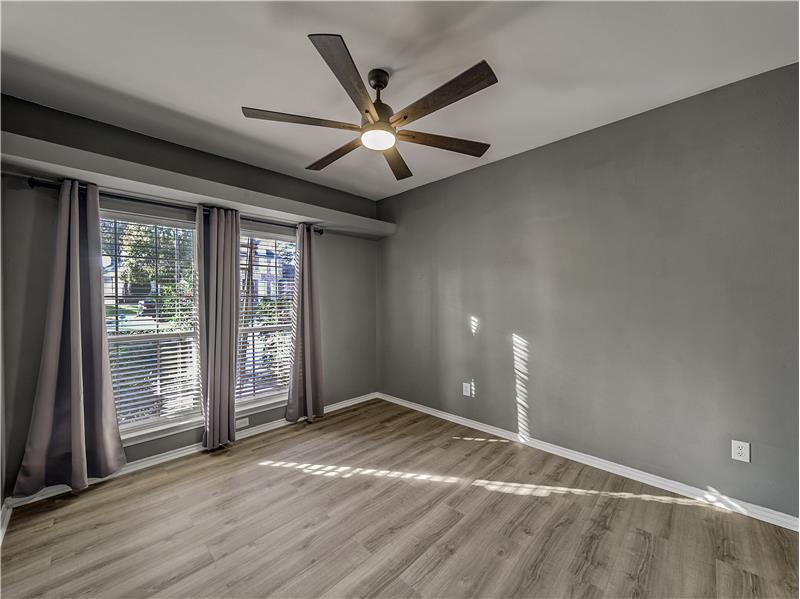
(262, 404)
(159, 430)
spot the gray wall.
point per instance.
(33, 120)
(28, 223)
(2, 378)
(649, 270)
(347, 286)
(347, 268)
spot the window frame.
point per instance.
(146, 430)
(142, 432)
(270, 399)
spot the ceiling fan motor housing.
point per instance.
(384, 112)
(378, 80)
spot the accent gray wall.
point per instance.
(648, 270)
(347, 285)
(28, 223)
(2, 375)
(347, 275)
(33, 120)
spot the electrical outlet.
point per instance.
(740, 450)
(242, 422)
(466, 389)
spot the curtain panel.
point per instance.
(73, 433)
(305, 384)
(217, 248)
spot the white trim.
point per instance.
(262, 404)
(159, 429)
(712, 498)
(261, 428)
(346, 403)
(134, 466)
(14, 502)
(5, 517)
(160, 458)
(271, 231)
(46, 493)
(146, 217)
(273, 424)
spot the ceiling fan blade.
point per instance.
(474, 79)
(462, 146)
(397, 164)
(335, 53)
(269, 115)
(335, 155)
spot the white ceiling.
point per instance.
(181, 71)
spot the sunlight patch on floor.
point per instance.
(348, 471)
(496, 486)
(546, 490)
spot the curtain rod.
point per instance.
(49, 184)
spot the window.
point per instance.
(148, 281)
(266, 294)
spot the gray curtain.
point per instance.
(217, 247)
(305, 384)
(73, 433)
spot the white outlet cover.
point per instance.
(242, 422)
(466, 389)
(740, 451)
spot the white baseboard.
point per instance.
(269, 426)
(53, 491)
(346, 403)
(14, 502)
(707, 496)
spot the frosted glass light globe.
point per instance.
(378, 137)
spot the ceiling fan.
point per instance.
(380, 125)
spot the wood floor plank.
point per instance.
(381, 572)
(381, 501)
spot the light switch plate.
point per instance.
(466, 389)
(740, 450)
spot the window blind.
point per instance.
(266, 294)
(151, 317)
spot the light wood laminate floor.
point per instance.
(378, 500)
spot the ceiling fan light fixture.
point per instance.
(378, 120)
(378, 136)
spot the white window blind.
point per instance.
(266, 293)
(151, 318)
